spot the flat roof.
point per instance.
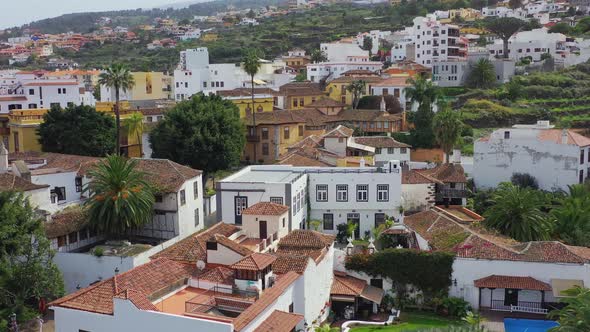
(266, 176)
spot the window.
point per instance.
(286, 133)
(382, 193)
(265, 149)
(182, 197)
(300, 129)
(204, 84)
(60, 193)
(276, 200)
(506, 135)
(581, 179)
(301, 102)
(291, 307)
(391, 150)
(31, 92)
(378, 283)
(403, 150)
(284, 222)
(581, 156)
(78, 184)
(342, 193)
(54, 105)
(211, 245)
(196, 217)
(264, 132)
(362, 192)
(379, 219)
(328, 221)
(158, 198)
(73, 237)
(196, 189)
(149, 119)
(377, 150)
(294, 102)
(321, 192)
(32, 106)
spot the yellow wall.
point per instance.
(151, 85)
(23, 126)
(243, 103)
(335, 89)
(307, 100)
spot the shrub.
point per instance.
(524, 180)
(342, 234)
(98, 252)
(454, 307)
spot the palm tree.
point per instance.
(482, 75)
(117, 77)
(422, 92)
(516, 212)
(318, 56)
(251, 63)
(575, 316)
(447, 127)
(572, 216)
(120, 198)
(357, 88)
(134, 125)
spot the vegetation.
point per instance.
(572, 216)
(204, 132)
(482, 75)
(518, 213)
(318, 56)
(357, 88)
(326, 328)
(392, 104)
(120, 198)
(415, 321)
(524, 180)
(447, 127)
(575, 316)
(504, 28)
(27, 272)
(119, 78)
(423, 93)
(251, 63)
(78, 130)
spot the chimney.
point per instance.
(564, 136)
(382, 106)
(3, 158)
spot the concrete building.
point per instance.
(328, 71)
(148, 86)
(452, 73)
(375, 35)
(342, 51)
(533, 44)
(555, 157)
(437, 41)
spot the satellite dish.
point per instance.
(200, 265)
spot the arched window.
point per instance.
(259, 109)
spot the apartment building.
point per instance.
(148, 86)
(437, 41)
(330, 70)
(533, 44)
(555, 157)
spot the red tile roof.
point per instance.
(56, 161)
(300, 158)
(393, 81)
(287, 262)
(65, 222)
(339, 132)
(10, 182)
(411, 176)
(268, 297)
(266, 209)
(220, 275)
(143, 282)
(446, 173)
(499, 281)
(254, 262)
(555, 136)
(326, 102)
(165, 175)
(230, 244)
(279, 321)
(347, 285)
(301, 239)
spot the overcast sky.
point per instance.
(19, 12)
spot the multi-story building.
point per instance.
(456, 72)
(297, 60)
(338, 88)
(395, 86)
(298, 95)
(555, 157)
(326, 71)
(264, 99)
(148, 86)
(437, 41)
(375, 35)
(533, 44)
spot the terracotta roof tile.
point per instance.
(446, 173)
(499, 281)
(56, 161)
(393, 81)
(66, 222)
(266, 209)
(229, 244)
(287, 262)
(326, 102)
(411, 176)
(339, 132)
(165, 175)
(347, 285)
(10, 182)
(279, 321)
(555, 136)
(220, 275)
(380, 142)
(299, 158)
(268, 297)
(275, 117)
(301, 239)
(254, 262)
(363, 115)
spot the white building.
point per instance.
(376, 37)
(341, 51)
(395, 86)
(504, 12)
(336, 195)
(555, 157)
(42, 93)
(333, 70)
(437, 41)
(533, 44)
(403, 45)
(191, 34)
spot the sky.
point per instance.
(19, 12)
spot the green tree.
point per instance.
(120, 198)
(79, 130)
(447, 127)
(514, 4)
(119, 78)
(326, 328)
(357, 88)
(561, 28)
(204, 132)
(27, 272)
(572, 216)
(575, 316)
(482, 75)
(368, 44)
(251, 63)
(583, 25)
(301, 76)
(423, 93)
(134, 126)
(513, 89)
(504, 28)
(317, 56)
(517, 212)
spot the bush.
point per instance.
(524, 180)
(98, 252)
(342, 234)
(454, 307)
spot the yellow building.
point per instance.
(148, 86)
(337, 89)
(297, 95)
(209, 37)
(466, 14)
(264, 99)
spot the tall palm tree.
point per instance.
(423, 92)
(317, 56)
(357, 88)
(251, 63)
(572, 216)
(120, 198)
(482, 74)
(516, 212)
(119, 78)
(134, 125)
(575, 316)
(447, 125)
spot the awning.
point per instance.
(560, 285)
(341, 298)
(499, 281)
(373, 294)
(259, 82)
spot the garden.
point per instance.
(411, 321)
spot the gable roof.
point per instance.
(220, 275)
(300, 158)
(339, 132)
(279, 321)
(446, 173)
(326, 102)
(380, 142)
(499, 281)
(555, 136)
(165, 175)
(274, 117)
(229, 244)
(305, 240)
(193, 248)
(138, 285)
(412, 176)
(66, 222)
(347, 285)
(287, 262)
(266, 209)
(49, 162)
(10, 182)
(254, 262)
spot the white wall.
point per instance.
(340, 51)
(223, 256)
(282, 303)
(64, 179)
(317, 283)
(384, 156)
(127, 317)
(416, 197)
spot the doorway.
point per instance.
(355, 218)
(510, 297)
(262, 229)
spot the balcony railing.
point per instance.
(521, 306)
(452, 193)
(253, 138)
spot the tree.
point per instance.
(524, 180)
(575, 316)
(204, 132)
(251, 63)
(447, 127)
(27, 272)
(119, 78)
(326, 328)
(572, 216)
(134, 126)
(317, 56)
(423, 93)
(561, 28)
(482, 75)
(516, 212)
(368, 44)
(357, 88)
(392, 104)
(513, 89)
(504, 28)
(514, 4)
(301, 76)
(120, 198)
(78, 130)
(251, 14)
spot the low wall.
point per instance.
(427, 155)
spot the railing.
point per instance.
(451, 193)
(517, 308)
(521, 306)
(253, 138)
(239, 303)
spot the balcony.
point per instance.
(253, 138)
(451, 193)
